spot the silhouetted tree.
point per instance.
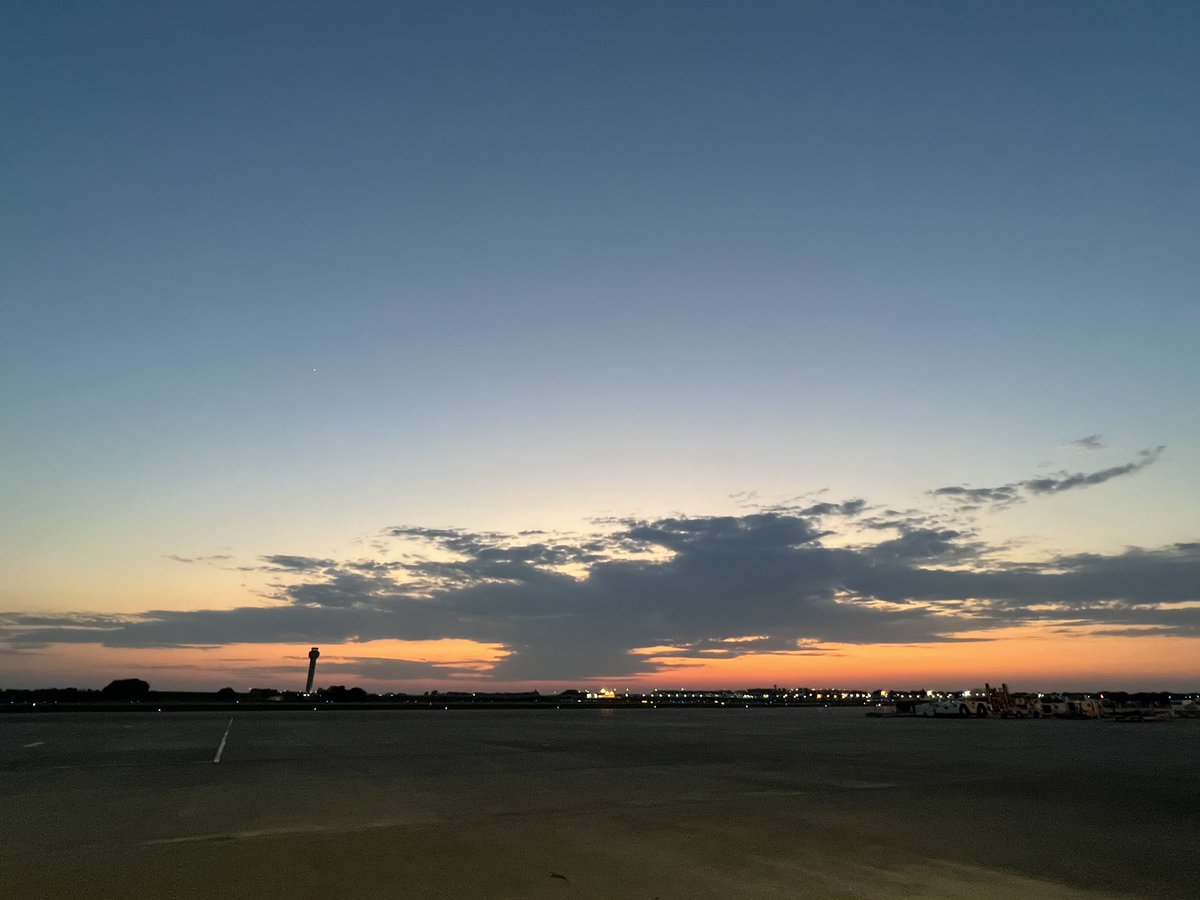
(227, 693)
(126, 689)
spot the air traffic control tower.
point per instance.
(312, 668)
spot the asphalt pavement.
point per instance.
(663, 803)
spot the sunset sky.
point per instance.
(638, 344)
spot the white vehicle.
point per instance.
(1185, 709)
(1086, 708)
(1054, 707)
(964, 706)
(1057, 707)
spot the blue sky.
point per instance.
(278, 276)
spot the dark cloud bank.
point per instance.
(775, 581)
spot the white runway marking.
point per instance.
(274, 832)
(224, 737)
(35, 744)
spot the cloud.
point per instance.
(942, 544)
(644, 595)
(1088, 442)
(1063, 482)
(297, 563)
(333, 670)
(1137, 587)
(847, 508)
(705, 587)
(1004, 495)
(967, 498)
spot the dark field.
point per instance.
(666, 803)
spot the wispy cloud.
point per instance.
(1088, 442)
(1056, 483)
(1063, 482)
(296, 563)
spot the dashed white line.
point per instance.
(224, 737)
(34, 744)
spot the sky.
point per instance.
(548, 345)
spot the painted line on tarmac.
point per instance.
(34, 744)
(274, 832)
(224, 738)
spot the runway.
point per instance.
(667, 803)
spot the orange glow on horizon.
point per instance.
(1025, 658)
(282, 666)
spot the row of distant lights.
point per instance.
(606, 694)
(733, 695)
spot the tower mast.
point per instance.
(312, 668)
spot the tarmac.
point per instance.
(660, 804)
